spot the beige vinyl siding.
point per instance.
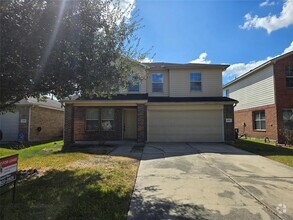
(192, 125)
(165, 83)
(210, 83)
(254, 90)
(142, 84)
(142, 88)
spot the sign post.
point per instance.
(8, 170)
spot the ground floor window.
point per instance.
(107, 119)
(259, 120)
(288, 119)
(92, 119)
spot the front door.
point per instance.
(130, 124)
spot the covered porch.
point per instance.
(99, 121)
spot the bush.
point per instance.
(288, 135)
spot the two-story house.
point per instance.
(265, 96)
(174, 103)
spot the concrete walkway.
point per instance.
(210, 181)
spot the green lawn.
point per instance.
(71, 185)
(281, 154)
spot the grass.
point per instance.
(70, 185)
(281, 154)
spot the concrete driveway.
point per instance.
(210, 181)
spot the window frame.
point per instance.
(133, 83)
(289, 75)
(113, 123)
(195, 81)
(260, 119)
(98, 119)
(157, 83)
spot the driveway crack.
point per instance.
(211, 164)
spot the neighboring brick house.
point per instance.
(265, 96)
(33, 121)
(174, 103)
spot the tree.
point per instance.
(62, 47)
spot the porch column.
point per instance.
(141, 123)
(68, 125)
(229, 131)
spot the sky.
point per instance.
(241, 33)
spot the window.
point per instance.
(259, 119)
(288, 119)
(133, 85)
(107, 119)
(92, 119)
(157, 82)
(195, 82)
(289, 76)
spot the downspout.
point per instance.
(169, 84)
(29, 123)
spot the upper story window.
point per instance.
(107, 119)
(259, 120)
(157, 82)
(288, 119)
(226, 93)
(195, 81)
(133, 85)
(92, 119)
(289, 76)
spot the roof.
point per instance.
(48, 103)
(145, 97)
(163, 65)
(191, 99)
(267, 63)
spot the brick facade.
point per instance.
(229, 132)
(141, 123)
(80, 133)
(68, 125)
(246, 117)
(23, 127)
(49, 120)
(284, 95)
(75, 124)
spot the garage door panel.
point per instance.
(193, 126)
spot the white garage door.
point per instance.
(9, 126)
(185, 126)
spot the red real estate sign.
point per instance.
(8, 169)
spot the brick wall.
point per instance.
(23, 127)
(80, 134)
(49, 120)
(141, 123)
(229, 132)
(284, 95)
(246, 116)
(68, 125)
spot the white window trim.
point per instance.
(86, 119)
(190, 81)
(257, 120)
(288, 77)
(106, 119)
(158, 82)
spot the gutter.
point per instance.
(191, 103)
(104, 101)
